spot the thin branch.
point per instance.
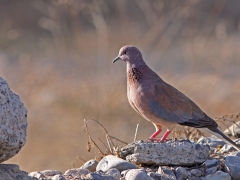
(118, 139)
(135, 137)
(86, 130)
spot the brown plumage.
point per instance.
(159, 102)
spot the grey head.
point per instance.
(129, 54)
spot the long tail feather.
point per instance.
(217, 132)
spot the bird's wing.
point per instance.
(170, 104)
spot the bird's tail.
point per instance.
(217, 132)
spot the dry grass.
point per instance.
(59, 61)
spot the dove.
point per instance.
(160, 103)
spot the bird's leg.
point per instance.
(165, 136)
(155, 134)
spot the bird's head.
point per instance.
(129, 54)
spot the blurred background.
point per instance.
(57, 56)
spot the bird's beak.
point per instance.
(117, 58)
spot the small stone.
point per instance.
(155, 176)
(232, 166)
(58, 177)
(212, 141)
(50, 172)
(181, 173)
(114, 173)
(211, 163)
(36, 174)
(98, 176)
(166, 173)
(90, 165)
(196, 172)
(219, 175)
(76, 173)
(211, 170)
(135, 174)
(111, 161)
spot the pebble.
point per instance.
(90, 165)
(212, 141)
(219, 175)
(181, 173)
(111, 161)
(135, 174)
(232, 166)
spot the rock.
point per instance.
(196, 172)
(181, 173)
(90, 165)
(37, 174)
(227, 148)
(51, 172)
(166, 173)
(211, 170)
(111, 161)
(12, 172)
(232, 166)
(13, 120)
(212, 141)
(155, 176)
(135, 174)
(114, 173)
(173, 152)
(58, 177)
(98, 176)
(211, 163)
(75, 173)
(234, 130)
(219, 175)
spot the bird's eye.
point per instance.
(125, 52)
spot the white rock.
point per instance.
(36, 174)
(114, 173)
(166, 173)
(50, 172)
(111, 161)
(13, 122)
(219, 175)
(173, 152)
(76, 173)
(135, 174)
(58, 177)
(90, 165)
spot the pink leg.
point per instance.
(155, 134)
(165, 136)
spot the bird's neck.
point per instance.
(139, 73)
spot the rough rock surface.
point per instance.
(111, 161)
(12, 172)
(173, 152)
(13, 120)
